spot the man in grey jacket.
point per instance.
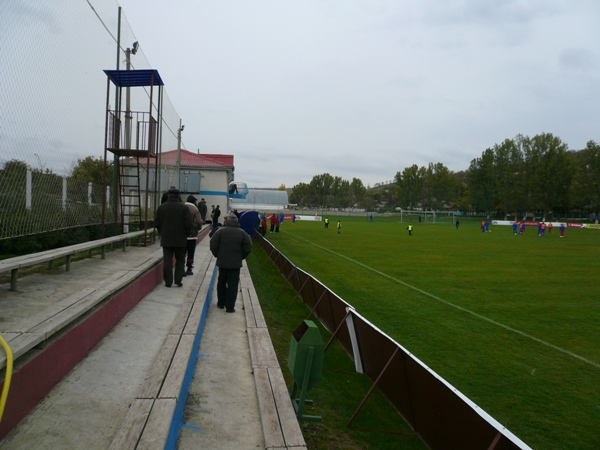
(193, 235)
(230, 245)
(174, 222)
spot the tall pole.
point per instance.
(117, 117)
(118, 54)
(128, 103)
(179, 154)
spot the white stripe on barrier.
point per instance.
(355, 347)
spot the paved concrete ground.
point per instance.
(221, 411)
(86, 409)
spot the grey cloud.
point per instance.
(578, 58)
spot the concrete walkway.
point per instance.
(221, 410)
(87, 408)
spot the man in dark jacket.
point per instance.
(215, 216)
(203, 209)
(174, 222)
(193, 235)
(230, 245)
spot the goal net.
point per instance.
(426, 216)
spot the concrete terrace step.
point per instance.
(141, 389)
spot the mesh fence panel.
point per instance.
(53, 110)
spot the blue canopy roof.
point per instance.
(134, 78)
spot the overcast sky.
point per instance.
(366, 88)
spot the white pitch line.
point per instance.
(479, 316)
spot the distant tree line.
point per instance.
(330, 191)
(519, 175)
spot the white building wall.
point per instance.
(214, 185)
(214, 189)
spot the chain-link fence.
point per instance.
(53, 109)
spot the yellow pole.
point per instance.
(9, 368)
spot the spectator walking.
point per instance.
(217, 226)
(230, 245)
(273, 221)
(216, 215)
(165, 195)
(203, 209)
(263, 226)
(193, 235)
(174, 223)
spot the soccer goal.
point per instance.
(426, 216)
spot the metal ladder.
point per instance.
(129, 189)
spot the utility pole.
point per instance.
(128, 117)
(181, 127)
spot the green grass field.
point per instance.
(513, 322)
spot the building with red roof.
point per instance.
(203, 175)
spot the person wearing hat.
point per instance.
(165, 195)
(230, 245)
(193, 235)
(173, 221)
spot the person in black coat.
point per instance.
(174, 222)
(216, 215)
(230, 245)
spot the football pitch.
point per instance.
(513, 322)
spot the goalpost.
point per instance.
(426, 216)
